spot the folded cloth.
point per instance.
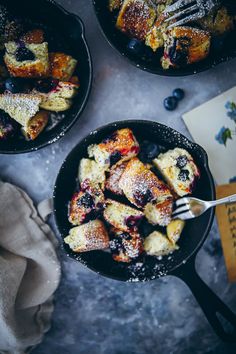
(29, 272)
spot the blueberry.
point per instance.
(151, 150)
(142, 198)
(86, 201)
(23, 53)
(132, 221)
(181, 161)
(170, 103)
(7, 126)
(183, 175)
(13, 85)
(115, 157)
(178, 93)
(46, 85)
(135, 46)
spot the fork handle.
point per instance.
(214, 309)
(229, 199)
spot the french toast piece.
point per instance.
(157, 244)
(112, 182)
(125, 246)
(59, 98)
(21, 107)
(28, 61)
(174, 230)
(121, 216)
(185, 45)
(120, 146)
(115, 4)
(35, 36)
(218, 22)
(179, 170)
(86, 204)
(36, 125)
(88, 237)
(136, 18)
(159, 213)
(62, 66)
(91, 170)
(140, 185)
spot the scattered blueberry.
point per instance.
(132, 221)
(115, 157)
(135, 46)
(181, 161)
(86, 200)
(142, 198)
(178, 93)
(183, 175)
(170, 103)
(149, 151)
(7, 126)
(13, 85)
(46, 85)
(23, 54)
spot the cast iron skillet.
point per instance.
(182, 262)
(149, 61)
(65, 32)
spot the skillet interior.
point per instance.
(64, 32)
(194, 233)
(151, 62)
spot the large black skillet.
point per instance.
(149, 61)
(182, 263)
(65, 32)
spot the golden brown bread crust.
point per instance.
(33, 70)
(36, 125)
(35, 36)
(62, 66)
(140, 185)
(136, 18)
(112, 182)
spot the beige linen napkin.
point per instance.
(29, 272)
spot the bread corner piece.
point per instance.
(122, 216)
(179, 170)
(36, 68)
(21, 107)
(88, 237)
(136, 18)
(62, 66)
(60, 98)
(174, 230)
(91, 170)
(157, 244)
(159, 212)
(185, 45)
(36, 125)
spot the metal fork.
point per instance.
(189, 208)
(189, 10)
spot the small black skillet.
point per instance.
(182, 262)
(223, 47)
(64, 32)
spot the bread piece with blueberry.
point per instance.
(157, 244)
(140, 185)
(159, 212)
(62, 66)
(179, 170)
(122, 216)
(185, 45)
(91, 170)
(136, 18)
(88, 237)
(27, 60)
(86, 204)
(125, 246)
(118, 147)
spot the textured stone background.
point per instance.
(95, 315)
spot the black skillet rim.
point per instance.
(159, 71)
(85, 101)
(116, 126)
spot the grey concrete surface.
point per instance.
(95, 315)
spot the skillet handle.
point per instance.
(215, 310)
